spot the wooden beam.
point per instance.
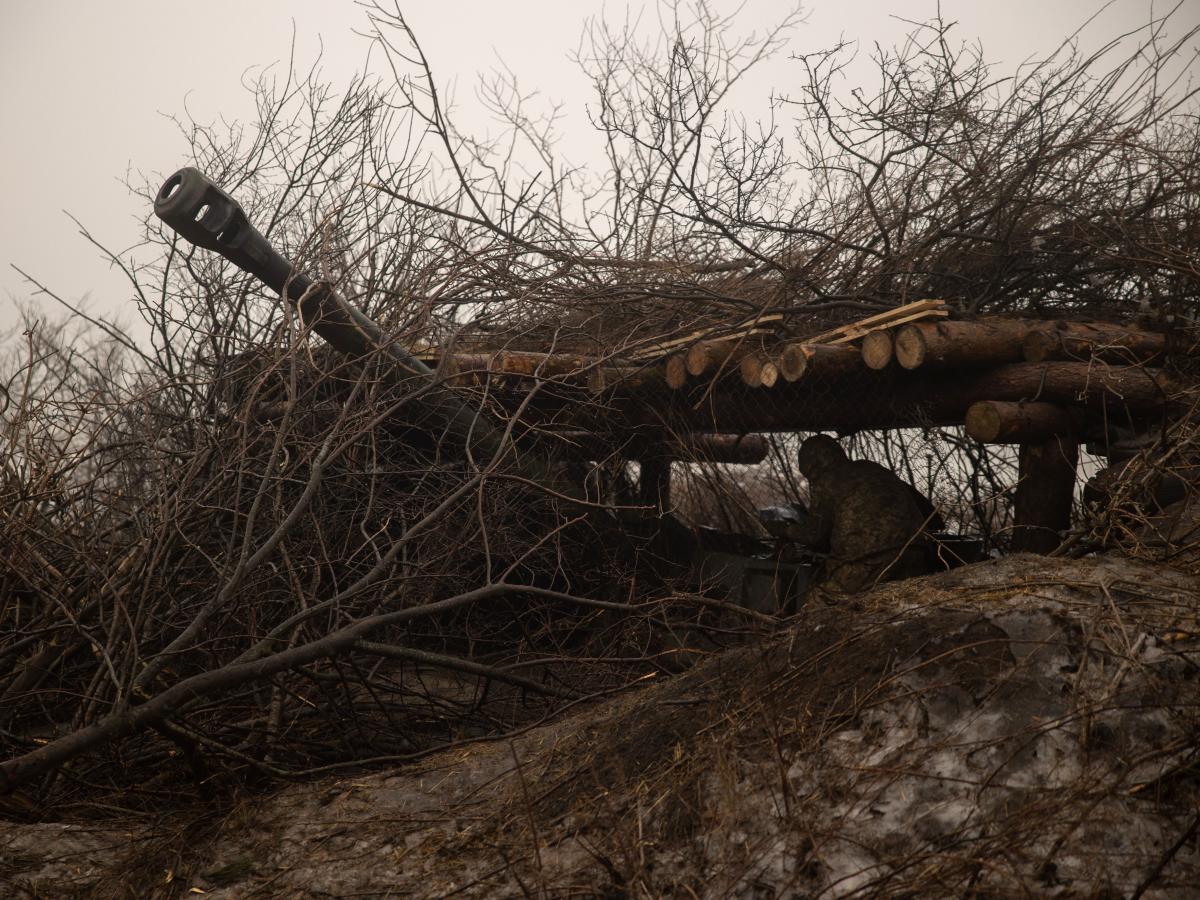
(861, 399)
(949, 344)
(1100, 340)
(602, 379)
(1045, 492)
(798, 361)
(1002, 422)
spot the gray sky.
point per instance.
(88, 89)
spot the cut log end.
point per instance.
(910, 347)
(983, 422)
(877, 349)
(793, 362)
(751, 367)
(676, 372)
(698, 359)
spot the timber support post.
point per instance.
(1045, 493)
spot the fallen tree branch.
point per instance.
(130, 719)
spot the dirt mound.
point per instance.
(1023, 726)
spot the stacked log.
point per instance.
(860, 399)
(675, 371)
(1088, 340)
(758, 370)
(756, 367)
(944, 368)
(709, 355)
(807, 361)
(1001, 422)
(952, 344)
(878, 349)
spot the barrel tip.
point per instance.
(178, 185)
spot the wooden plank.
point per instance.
(857, 332)
(742, 329)
(895, 316)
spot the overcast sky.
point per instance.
(88, 88)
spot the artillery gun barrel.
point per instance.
(207, 216)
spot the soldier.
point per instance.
(872, 522)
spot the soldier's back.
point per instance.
(876, 533)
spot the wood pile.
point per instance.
(1043, 386)
(1007, 380)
